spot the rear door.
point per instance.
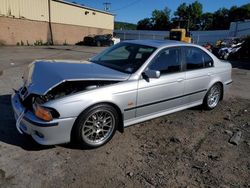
(199, 67)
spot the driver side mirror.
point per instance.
(151, 74)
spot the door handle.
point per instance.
(180, 79)
(209, 74)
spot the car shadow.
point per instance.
(8, 132)
(244, 64)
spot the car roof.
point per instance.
(158, 43)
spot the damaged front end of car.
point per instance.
(35, 102)
(50, 80)
(44, 84)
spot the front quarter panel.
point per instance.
(122, 94)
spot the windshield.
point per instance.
(124, 57)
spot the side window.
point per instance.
(195, 59)
(167, 61)
(208, 61)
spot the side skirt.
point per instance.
(159, 114)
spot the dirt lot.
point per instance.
(185, 149)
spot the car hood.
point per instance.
(42, 76)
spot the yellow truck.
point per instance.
(180, 35)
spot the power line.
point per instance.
(107, 6)
(128, 5)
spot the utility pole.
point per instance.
(106, 6)
(50, 40)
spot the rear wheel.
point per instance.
(213, 97)
(96, 126)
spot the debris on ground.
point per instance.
(247, 143)
(130, 174)
(2, 174)
(214, 157)
(235, 139)
(234, 48)
(227, 117)
(202, 167)
(228, 132)
(175, 140)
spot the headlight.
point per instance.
(42, 113)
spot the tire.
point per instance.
(96, 126)
(111, 43)
(212, 97)
(98, 44)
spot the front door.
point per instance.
(156, 95)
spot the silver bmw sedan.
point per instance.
(128, 83)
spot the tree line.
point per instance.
(191, 16)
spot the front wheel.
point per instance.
(213, 97)
(111, 43)
(96, 126)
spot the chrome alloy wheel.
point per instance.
(214, 96)
(98, 127)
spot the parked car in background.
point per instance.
(115, 40)
(99, 40)
(128, 83)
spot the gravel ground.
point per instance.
(186, 149)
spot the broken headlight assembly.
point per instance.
(44, 113)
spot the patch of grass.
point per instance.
(38, 43)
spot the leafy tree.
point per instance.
(189, 16)
(182, 16)
(239, 13)
(160, 19)
(145, 24)
(182, 12)
(207, 21)
(195, 10)
(221, 19)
